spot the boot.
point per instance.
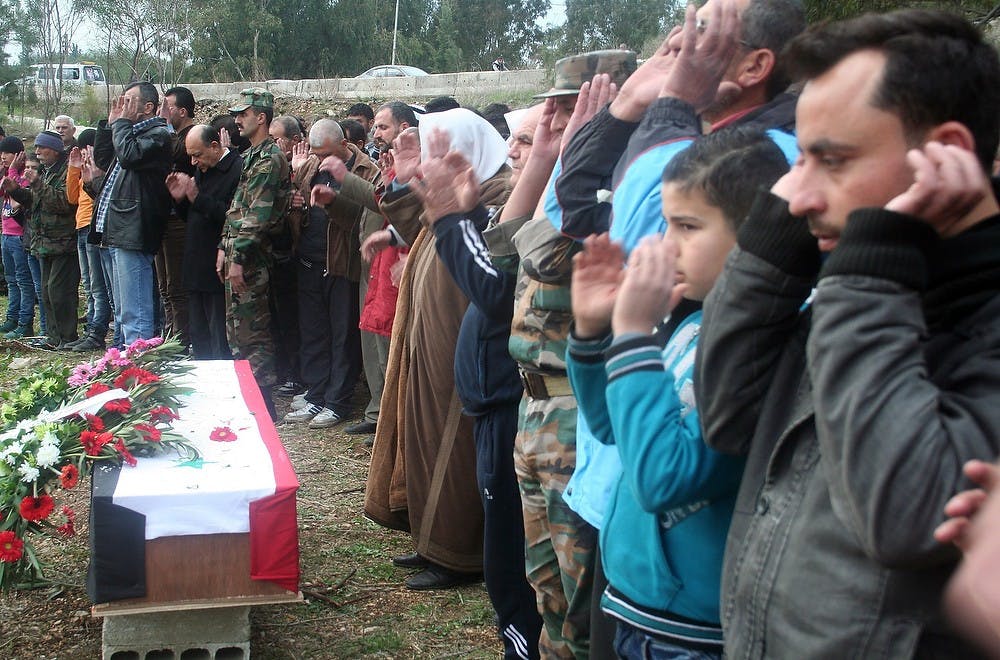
(19, 332)
(8, 325)
(89, 342)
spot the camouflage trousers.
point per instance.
(559, 545)
(248, 323)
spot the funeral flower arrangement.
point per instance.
(57, 423)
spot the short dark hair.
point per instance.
(729, 167)
(291, 126)
(440, 104)
(86, 138)
(938, 69)
(771, 24)
(147, 92)
(400, 112)
(228, 123)
(354, 131)
(361, 110)
(183, 98)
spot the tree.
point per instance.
(591, 26)
(980, 11)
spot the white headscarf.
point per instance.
(471, 135)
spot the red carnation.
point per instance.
(135, 376)
(162, 414)
(69, 477)
(68, 528)
(125, 453)
(94, 423)
(222, 434)
(11, 547)
(97, 388)
(93, 442)
(149, 432)
(36, 508)
(121, 406)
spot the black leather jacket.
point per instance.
(140, 202)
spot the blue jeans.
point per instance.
(36, 278)
(81, 253)
(20, 288)
(108, 272)
(632, 643)
(135, 294)
(97, 322)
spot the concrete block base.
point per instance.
(209, 634)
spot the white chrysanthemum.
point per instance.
(46, 455)
(11, 453)
(50, 438)
(28, 472)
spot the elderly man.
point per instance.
(65, 127)
(132, 206)
(859, 384)
(245, 258)
(204, 200)
(329, 265)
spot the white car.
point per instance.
(393, 71)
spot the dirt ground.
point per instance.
(363, 610)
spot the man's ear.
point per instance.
(755, 67)
(952, 132)
(403, 125)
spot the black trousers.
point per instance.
(513, 599)
(60, 286)
(285, 319)
(206, 319)
(330, 351)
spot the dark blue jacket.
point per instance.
(485, 374)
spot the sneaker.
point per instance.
(290, 388)
(303, 414)
(325, 419)
(19, 332)
(298, 402)
(88, 343)
(8, 325)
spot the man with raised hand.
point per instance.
(859, 385)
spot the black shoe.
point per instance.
(361, 428)
(370, 441)
(88, 343)
(411, 560)
(439, 577)
(289, 388)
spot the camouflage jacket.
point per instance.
(52, 220)
(542, 309)
(259, 206)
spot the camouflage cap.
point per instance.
(255, 97)
(573, 71)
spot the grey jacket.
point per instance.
(857, 412)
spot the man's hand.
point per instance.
(598, 271)
(446, 185)
(948, 183)
(643, 86)
(374, 244)
(334, 167)
(116, 109)
(298, 202)
(225, 140)
(385, 161)
(220, 262)
(300, 154)
(175, 185)
(649, 291)
(130, 109)
(322, 195)
(75, 158)
(406, 155)
(704, 57)
(594, 95)
(89, 170)
(962, 508)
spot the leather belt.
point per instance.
(540, 386)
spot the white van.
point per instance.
(81, 73)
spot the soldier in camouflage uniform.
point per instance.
(245, 255)
(52, 226)
(560, 545)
